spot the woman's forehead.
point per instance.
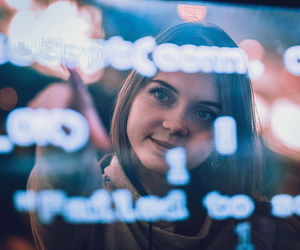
(198, 85)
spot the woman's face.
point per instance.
(173, 110)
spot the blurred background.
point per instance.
(269, 35)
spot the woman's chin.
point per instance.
(156, 164)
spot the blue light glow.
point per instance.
(20, 53)
(170, 208)
(243, 230)
(102, 206)
(174, 206)
(24, 201)
(96, 209)
(119, 53)
(3, 57)
(297, 205)
(79, 135)
(6, 146)
(19, 126)
(282, 205)
(124, 205)
(106, 207)
(148, 208)
(177, 174)
(190, 61)
(225, 135)
(94, 54)
(141, 62)
(17, 4)
(291, 59)
(41, 126)
(221, 207)
(49, 204)
(166, 56)
(218, 206)
(256, 69)
(241, 206)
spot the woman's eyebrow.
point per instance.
(210, 103)
(207, 103)
(163, 83)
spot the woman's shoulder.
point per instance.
(105, 161)
(264, 231)
(282, 233)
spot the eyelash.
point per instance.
(170, 100)
(213, 115)
(159, 90)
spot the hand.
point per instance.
(74, 95)
(82, 102)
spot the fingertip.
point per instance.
(102, 143)
(76, 81)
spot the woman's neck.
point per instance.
(154, 183)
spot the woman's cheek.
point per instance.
(199, 150)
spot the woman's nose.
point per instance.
(177, 124)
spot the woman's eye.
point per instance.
(161, 95)
(206, 115)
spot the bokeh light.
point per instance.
(44, 37)
(262, 113)
(285, 123)
(3, 58)
(225, 135)
(8, 98)
(19, 4)
(291, 59)
(282, 205)
(6, 145)
(191, 13)
(176, 159)
(253, 49)
(290, 82)
(44, 32)
(256, 69)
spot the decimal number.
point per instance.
(63, 128)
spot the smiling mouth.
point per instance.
(163, 144)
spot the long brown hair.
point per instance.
(237, 173)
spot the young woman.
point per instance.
(153, 115)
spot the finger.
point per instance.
(75, 80)
(98, 133)
(55, 95)
(83, 102)
(81, 96)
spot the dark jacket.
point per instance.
(267, 232)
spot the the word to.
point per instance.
(102, 206)
(63, 128)
(225, 135)
(285, 205)
(221, 207)
(177, 174)
(243, 230)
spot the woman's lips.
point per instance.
(163, 145)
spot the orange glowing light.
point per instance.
(92, 16)
(58, 24)
(253, 48)
(8, 98)
(191, 13)
(290, 82)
